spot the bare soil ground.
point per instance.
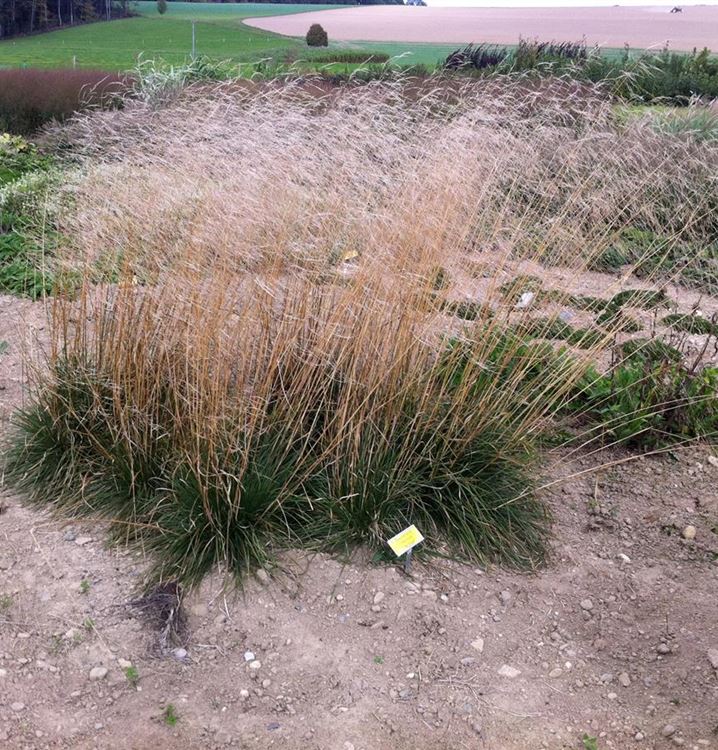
(613, 638)
(643, 27)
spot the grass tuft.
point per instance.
(292, 369)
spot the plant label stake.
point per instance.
(404, 542)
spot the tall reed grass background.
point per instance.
(297, 321)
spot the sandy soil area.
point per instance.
(616, 637)
(609, 27)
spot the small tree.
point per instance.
(162, 7)
(317, 37)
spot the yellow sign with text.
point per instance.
(405, 540)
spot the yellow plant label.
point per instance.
(405, 540)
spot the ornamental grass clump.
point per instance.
(259, 355)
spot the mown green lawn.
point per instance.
(219, 31)
(117, 45)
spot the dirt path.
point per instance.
(614, 638)
(695, 26)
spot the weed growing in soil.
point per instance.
(132, 675)
(169, 715)
(651, 398)
(27, 179)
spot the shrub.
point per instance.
(317, 36)
(162, 7)
(350, 57)
(645, 76)
(30, 98)
(478, 57)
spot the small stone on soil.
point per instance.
(689, 533)
(713, 657)
(262, 576)
(478, 644)
(509, 671)
(624, 679)
(587, 605)
(98, 673)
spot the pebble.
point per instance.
(262, 576)
(606, 677)
(668, 731)
(82, 540)
(69, 535)
(255, 664)
(244, 693)
(525, 300)
(713, 461)
(505, 596)
(624, 679)
(17, 707)
(3, 673)
(689, 533)
(98, 673)
(612, 696)
(624, 558)
(379, 597)
(249, 656)
(124, 663)
(477, 727)
(713, 657)
(556, 672)
(663, 648)
(508, 671)
(586, 605)
(478, 645)
(638, 736)
(180, 653)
